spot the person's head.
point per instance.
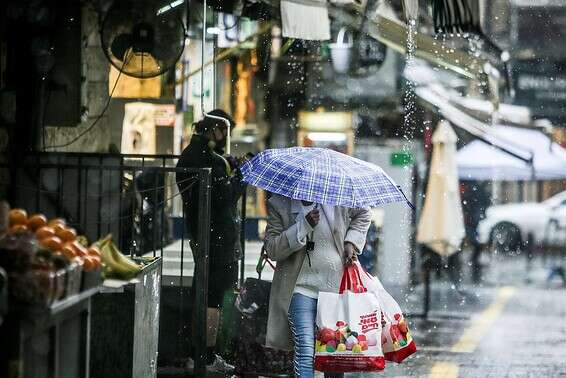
(214, 129)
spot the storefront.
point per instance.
(332, 130)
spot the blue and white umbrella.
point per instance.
(321, 176)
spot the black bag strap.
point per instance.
(263, 259)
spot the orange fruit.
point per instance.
(94, 251)
(18, 228)
(78, 260)
(90, 263)
(52, 243)
(97, 260)
(69, 251)
(18, 216)
(45, 232)
(66, 234)
(35, 222)
(58, 227)
(56, 221)
(79, 249)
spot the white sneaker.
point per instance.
(220, 366)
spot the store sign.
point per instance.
(138, 128)
(164, 115)
(540, 87)
(401, 159)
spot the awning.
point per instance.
(437, 96)
(481, 161)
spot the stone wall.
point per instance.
(95, 69)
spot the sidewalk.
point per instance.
(172, 260)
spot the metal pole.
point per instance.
(243, 238)
(202, 58)
(426, 304)
(201, 273)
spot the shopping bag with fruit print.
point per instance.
(348, 325)
(396, 339)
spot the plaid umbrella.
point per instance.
(321, 176)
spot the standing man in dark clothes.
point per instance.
(205, 151)
(475, 201)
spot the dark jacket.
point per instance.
(226, 189)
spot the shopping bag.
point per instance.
(251, 357)
(348, 328)
(225, 338)
(396, 340)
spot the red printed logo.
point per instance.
(369, 322)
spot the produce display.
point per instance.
(47, 261)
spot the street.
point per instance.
(490, 331)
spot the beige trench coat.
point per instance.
(282, 246)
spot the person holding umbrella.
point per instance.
(318, 218)
(311, 247)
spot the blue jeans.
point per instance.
(302, 319)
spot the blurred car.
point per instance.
(506, 227)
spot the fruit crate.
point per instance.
(125, 326)
(47, 341)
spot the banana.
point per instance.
(117, 264)
(121, 259)
(114, 268)
(102, 242)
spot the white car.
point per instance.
(508, 226)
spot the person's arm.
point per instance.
(281, 243)
(225, 189)
(360, 220)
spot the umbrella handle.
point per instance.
(406, 199)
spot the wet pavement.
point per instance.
(505, 327)
(511, 325)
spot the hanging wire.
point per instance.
(75, 195)
(102, 221)
(88, 129)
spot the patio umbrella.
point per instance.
(441, 226)
(321, 176)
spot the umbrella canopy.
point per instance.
(441, 226)
(321, 176)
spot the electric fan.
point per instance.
(142, 39)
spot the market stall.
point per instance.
(53, 277)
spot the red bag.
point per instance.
(396, 339)
(348, 336)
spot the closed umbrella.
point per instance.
(321, 176)
(441, 226)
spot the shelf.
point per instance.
(61, 305)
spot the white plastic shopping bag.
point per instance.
(348, 336)
(396, 340)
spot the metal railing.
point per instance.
(130, 196)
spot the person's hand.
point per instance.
(232, 161)
(313, 217)
(244, 158)
(351, 253)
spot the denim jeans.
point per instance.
(302, 318)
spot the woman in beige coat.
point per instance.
(311, 244)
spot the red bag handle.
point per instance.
(345, 282)
(351, 280)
